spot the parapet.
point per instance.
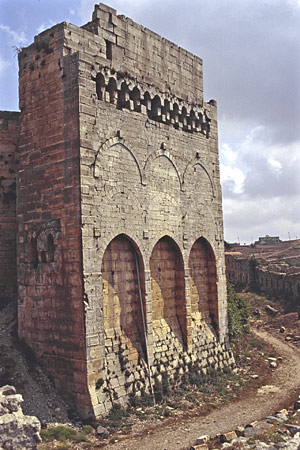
(146, 56)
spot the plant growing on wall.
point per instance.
(238, 313)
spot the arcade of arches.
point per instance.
(145, 334)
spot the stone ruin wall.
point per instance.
(241, 272)
(119, 212)
(9, 127)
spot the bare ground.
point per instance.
(180, 433)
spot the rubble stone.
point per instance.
(16, 430)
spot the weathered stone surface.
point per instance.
(228, 437)
(17, 431)
(102, 432)
(202, 439)
(120, 234)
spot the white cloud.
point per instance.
(261, 187)
(228, 155)
(233, 177)
(17, 38)
(275, 165)
(4, 65)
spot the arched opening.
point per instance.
(100, 86)
(123, 293)
(206, 125)
(34, 259)
(135, 96)
(112, 90)
(147, 101)
(124, 96)
(50, 248)
(156, 108)
(175, 115)
(199, 120)
(203, 283)
(168, 291)
(192, 120)
(183, 118)
(166, 116)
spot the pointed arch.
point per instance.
(110, 143)
(155, 108)
(124, 96)
(123, 293)
(194, 163)
(203, 282)
(160, 154)
(135, 95)
(168, 287)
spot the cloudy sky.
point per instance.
(251, 54)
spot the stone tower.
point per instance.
(121, 270)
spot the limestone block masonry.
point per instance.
(120, 236)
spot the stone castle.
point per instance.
(114, 234)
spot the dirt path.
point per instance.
(180, 434)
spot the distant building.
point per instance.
(268, 240)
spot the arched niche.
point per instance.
(123, 293)
(111, 162)
(203, 283)
(155, 108)
(135, 96)
(168, 288)
(124, 96)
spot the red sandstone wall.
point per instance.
(9, 125)
(49, 250)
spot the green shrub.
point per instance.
(238, 313)
(62, 434)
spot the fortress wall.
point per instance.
(242, 273)
(150, 178)
(121, 264)
(9, 128)
(49, 247)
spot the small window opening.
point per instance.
(124, 96)
(50, 248)
(166, 111)
(34, 259)
(175, 115)
(156, 108)
(100, 86)
(192, 120)
(112, 89)
(147, 101)
(108, 49)
(183, 117)
(135, 96)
